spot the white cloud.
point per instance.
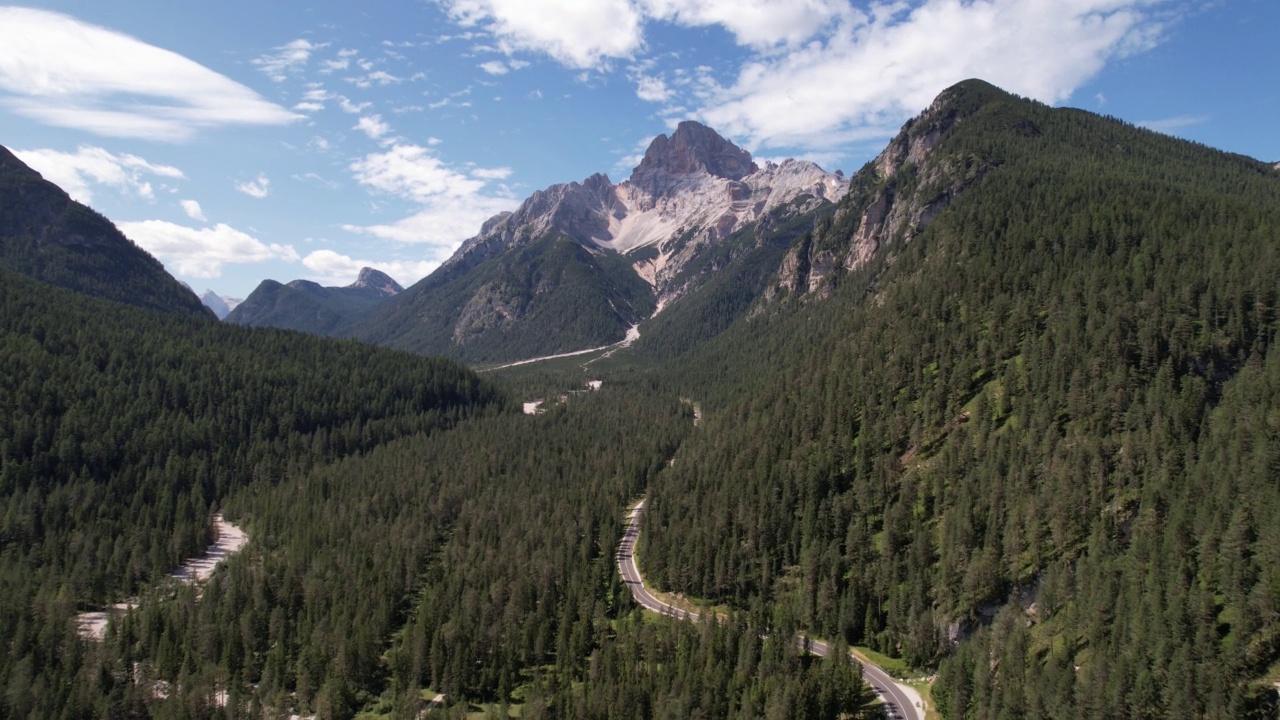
(259, 188)
(377, 77)
(60, 71)
(192, 209)
(652, 89)
(309, 106)
(1168, 125)
(352, 107)
(501, 173)
(873, 72)
(453, 204)
(288, 58)
(201, 252)
(412, 172)
(332, 268)
(577, 34)
(756, 23)
(373, 126)
(443, 223)
(823, 73)
(77, 172)
(494, 67)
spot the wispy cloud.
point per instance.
(258, 188)
(579, 34)
(825, 73)
(373, 126)
(60, 71)
(288, 58)
(1168, 125)
(874, 71)
(755, 23)
(453, 204)
(201, 252)
(78, 172)
(192, 209)
(652, 89)
(377, 77)
(333, 268)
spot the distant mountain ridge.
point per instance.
(46, 235)
(221, 305)
(513, 291)
(309, 307)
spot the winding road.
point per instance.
(901, 702)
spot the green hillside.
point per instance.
(1014, 444)
(124, 429)
(553, 295)
(46, 235)
(309, 307)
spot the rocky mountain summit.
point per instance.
(219, 304)
(690, 190)
(376, 281)
(580, 264)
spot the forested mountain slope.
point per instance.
(549, 296)
(46, 235)
(310, 307)
(406, 531)
(123, 430)
(1006, 411)
(1030, 438)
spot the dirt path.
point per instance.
(231, 539)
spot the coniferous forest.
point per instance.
(1030, 449)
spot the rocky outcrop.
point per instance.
(896, 195)
(693, 149)
(578, 210)
(376, 281)
(691, 190)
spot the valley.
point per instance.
(998, 408)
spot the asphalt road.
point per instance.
(899, 703)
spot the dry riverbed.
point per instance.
(231, 539)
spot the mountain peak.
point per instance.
(377, 280)
(691, 149)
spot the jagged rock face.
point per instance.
(692, 149)
(377, 281)
(882, 209)
(579, 210)
(690, 190)
(706, 209)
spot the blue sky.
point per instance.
(239, 141)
